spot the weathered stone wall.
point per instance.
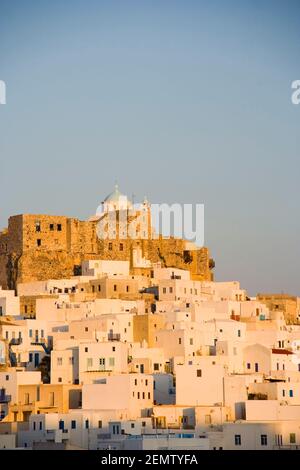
(41, 247)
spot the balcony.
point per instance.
(16, 341)
(5, 398)
(114, 337)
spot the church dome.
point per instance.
(116, 201)
(115, 195)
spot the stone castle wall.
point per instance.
(40, 247)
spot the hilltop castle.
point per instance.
(40, 247)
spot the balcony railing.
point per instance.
(113, 337)
(16, 341)
(5, 398)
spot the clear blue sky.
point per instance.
(184, 101)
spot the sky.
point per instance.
(182, 101)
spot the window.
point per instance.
(121, 246)
(59, 379)
(179, 340)
(239, 333)
(61, 425)
(283, 393)
(149, 395)
(51, 227)
(39, 242)
(164, 290)
(256, 367)
(127, 288)
(59, 361)
(86, 424)
(110, 246)
(30, 357)
(38, 226)
(86, 349)
(171, 290)
(59, 227)
(71, 361)
(207, 419)
(99, 288)
(115, 287)
(138, 395)
(113, 348)
(100, 424)
(199, 373)
(34, 425)
(146, 382)
(292, 438)
(237, 439)
(156, 366)
(26, 399)
(291, 393)
(86, 328)
(135, 382)
(73, 424)
(143, 395)
(41, 425)
(102, 362)
(263, 439)
(132, 425)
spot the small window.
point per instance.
(237, 439)
(263, 440)
(39, 242)
(239, 333)
(86, 349)
(248, 365)
(59, 227)
(292, 438)
(86, 424)
(132, 425)
(179, 340)
(156, 366)
(38, 226)
(99, 424)
(291, 393)
(110, 246)
(73, 424)
(199, 373)
(121, 247)
(51, 227)
(86, 329)
(115, 287)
